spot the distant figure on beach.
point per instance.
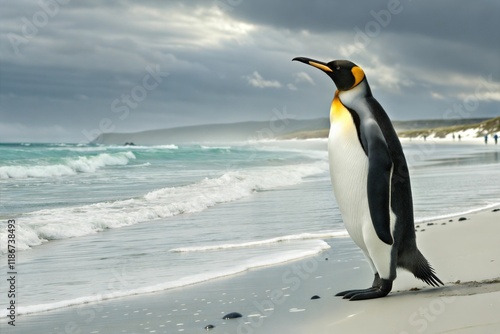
(425, 137)
(459, 137)
(453, 136)
(496, 138)
(486, 139)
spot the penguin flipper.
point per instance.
(379, 179)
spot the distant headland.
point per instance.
(295, 129)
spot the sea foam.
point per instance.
(286, 238)
(67, 166)
(60, 223)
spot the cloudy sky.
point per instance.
(71, 69)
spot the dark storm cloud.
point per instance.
(448, 20)
(66, 66)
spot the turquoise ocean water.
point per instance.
(100, 222)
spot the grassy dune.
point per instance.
(490, 127)
(479, 129)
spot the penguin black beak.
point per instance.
(316, 63)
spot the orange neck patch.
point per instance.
(337, 110)
(358, 74)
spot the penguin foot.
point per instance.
(349, 293)
(370, 293)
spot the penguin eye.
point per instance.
(337, 68)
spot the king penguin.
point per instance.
(371, 181)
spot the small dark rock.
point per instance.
(422, 230)
(462, 219)
(418, 226)
(495, 210)
(457, 282)
(443, 223)
(315, 297)
(449, 221)
(430, 224)
(209, 327)
(232, 315)
(414, 289)
(326, 259)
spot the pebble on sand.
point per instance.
(232, 315)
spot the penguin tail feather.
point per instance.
(423, 270)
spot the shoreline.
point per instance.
(464, 254)
(98, 298)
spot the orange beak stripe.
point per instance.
(320, 66)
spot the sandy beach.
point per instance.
(298, 297)
(466, 256)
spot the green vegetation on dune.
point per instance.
(412, 129)
(490, 127)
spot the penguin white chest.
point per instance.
(349, 175)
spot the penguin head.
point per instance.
(344, 73)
